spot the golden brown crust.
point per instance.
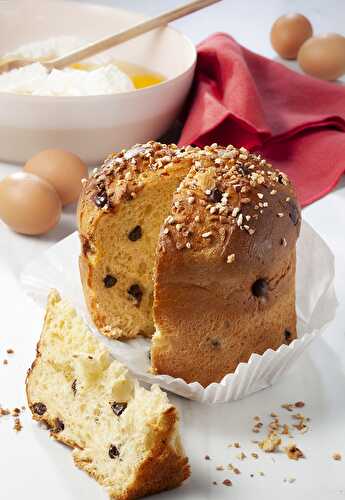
(233, 226)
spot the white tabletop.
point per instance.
(33, 466)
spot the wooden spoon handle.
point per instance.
(122, 36)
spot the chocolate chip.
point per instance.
(101, 199)
(118, 408)
(293, 212)
(260, 288)
(280, 179)
(216, 195)
(287, 335)
(39, 408)
(113, 451)
(135, 234)
(136, 292)
(58, 425)
(215, 343)
(109, 281)
(243, 169)
(74, 386)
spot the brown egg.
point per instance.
(28, 204)
(62, 169)
(323, 56)
(288, 33)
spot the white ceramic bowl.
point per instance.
(91, 126)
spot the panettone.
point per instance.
(123, 435)
(203, 237)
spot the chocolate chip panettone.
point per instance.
(121, 210)
(204, 238)
(124, 436)
(225, 271)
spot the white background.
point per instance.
(33, 466)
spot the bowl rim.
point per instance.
(118, 95)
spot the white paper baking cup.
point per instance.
(316, 306)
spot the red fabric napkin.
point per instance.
(295, 121)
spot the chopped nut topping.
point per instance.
(337, 456)
(207, 235)
(230, 258)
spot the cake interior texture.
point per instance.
(119, 270)
(123, 435)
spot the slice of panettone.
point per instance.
(123, 435)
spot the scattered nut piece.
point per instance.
(227, 482)
(299, 404)
(255, 455)
(285, 430)
(288, 406)
(17, 425)
(241, 456)
(337, 456)
(293, 452)
(270, 443)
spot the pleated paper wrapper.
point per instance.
(316, 305)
